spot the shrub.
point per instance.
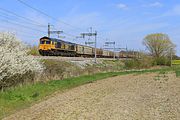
(33, 51)
(132, 63)
(15, 63)
(178, 73)
(54, 69)
(161, 61)
(144, 62)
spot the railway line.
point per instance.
(57, 47)
(71, 58)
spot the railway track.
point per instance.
(69, 58)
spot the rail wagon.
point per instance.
(79, 50)
(117, 54)
(122, 54)
(111, 54)
(99, 52)
(88, 51)
(105, 53)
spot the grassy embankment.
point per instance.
(177, 63)
(21, 97)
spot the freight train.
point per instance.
(57, 47)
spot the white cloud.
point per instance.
(154, 4)
(122, 6)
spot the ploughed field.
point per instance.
(129, 97)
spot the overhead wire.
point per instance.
(40, 11)
(22, 17)
(21, 25)
(35, 22)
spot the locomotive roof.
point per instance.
(59, 40)
(56, 40)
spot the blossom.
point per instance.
(14, 58)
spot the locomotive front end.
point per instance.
(45, 46)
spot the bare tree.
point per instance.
(159, 45)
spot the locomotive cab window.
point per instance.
(48, 42)
(42, 42)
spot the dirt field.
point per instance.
(129, 97)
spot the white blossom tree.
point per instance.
(14, 59)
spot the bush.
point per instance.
(144, 62)
(15, 63)
(132, 63)
(161, 61)
(33, 51)
(54, 69)
(178, 73)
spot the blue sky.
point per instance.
(126, 22)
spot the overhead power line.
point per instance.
(19, 16)
(70, 34)
(8, 19)
(40, 11)
(24, 26)
(73, 36)
(49, 16)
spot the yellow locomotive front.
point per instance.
(46, 45)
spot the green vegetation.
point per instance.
(176, 63)
(178, 73)
(20, 97)
(58, 70)
(33, 50)
(161, 61)
(145, 62)
(160, 48)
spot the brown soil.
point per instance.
(129, 97)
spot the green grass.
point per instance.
(178, 73)
(21, 97)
